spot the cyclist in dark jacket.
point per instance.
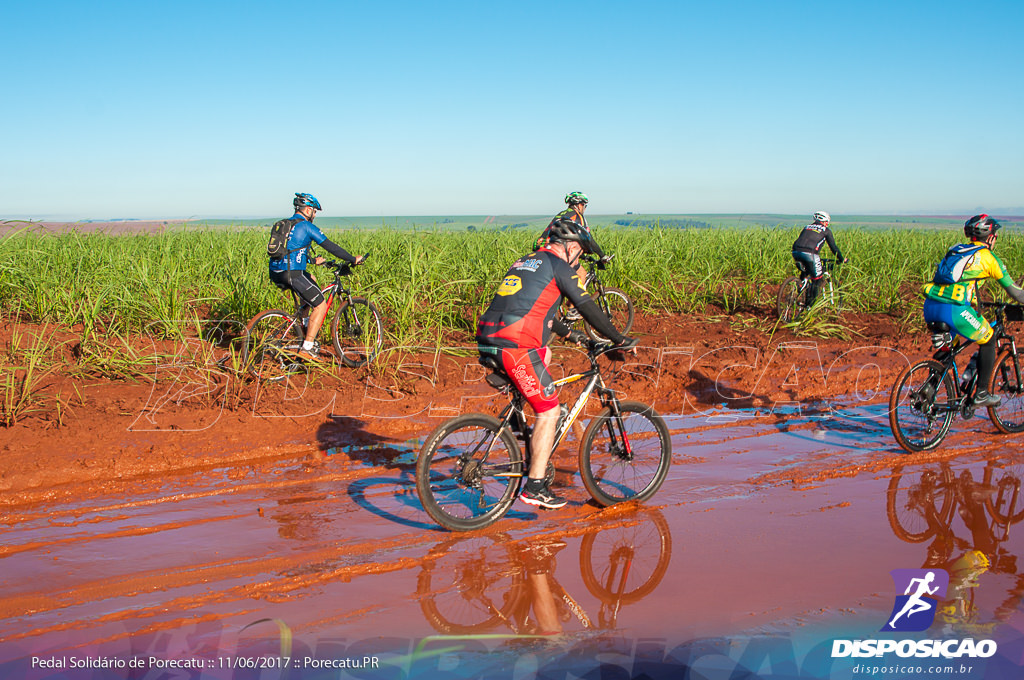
(289, 272)
(805, 252)
(516, 327)
(577, 202)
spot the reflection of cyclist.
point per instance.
(517, 325)
(289, 272)
(538, 560)
(805, 252)
(953, 291)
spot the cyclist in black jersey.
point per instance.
(805, 252)
(577, 202)
(517, 325)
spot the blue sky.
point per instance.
(224, 109)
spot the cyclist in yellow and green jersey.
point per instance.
(951, 295)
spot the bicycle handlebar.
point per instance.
(596, 348)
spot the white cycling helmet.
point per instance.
(822, 216)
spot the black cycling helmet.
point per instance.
(980, 227)
(306, 200)
(567, 230)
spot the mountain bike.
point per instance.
(483, 583)
(926, 396)
(791, 301)
(470, 469)
(612, 301)
(273, 337)
(922, 504)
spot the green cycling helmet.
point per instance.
(576, 197)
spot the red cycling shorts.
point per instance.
(528, 370)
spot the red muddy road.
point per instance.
(162, 521)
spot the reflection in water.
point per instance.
(492, 584)
(926, 504)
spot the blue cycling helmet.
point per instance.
(303, 200)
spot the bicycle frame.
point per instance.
(828, 293)
(330, 291)
(947, 357)
(513, 417)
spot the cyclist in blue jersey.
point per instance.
(289, 272)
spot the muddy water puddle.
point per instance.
(767, 523)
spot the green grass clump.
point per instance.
(432, 283)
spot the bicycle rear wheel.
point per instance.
(467, 474)
(471, 585)
(1008, 417)
(357, 332)
(920, 406)
(619, 308)
(271, 340)
(626, 456)
(1006, 502)
(789, 303)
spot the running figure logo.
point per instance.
(914, 610)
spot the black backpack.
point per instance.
(277, 247)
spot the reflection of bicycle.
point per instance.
(273, 337)
(471, 467)
(791, 301)
(484, 582)
(612, 301)
(923, 504)
(927, 396)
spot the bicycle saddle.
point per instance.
(941, 335)
(497, 379)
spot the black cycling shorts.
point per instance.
(809, 263)
(302, 283)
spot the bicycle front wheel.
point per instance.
(1008, 417)
(271, 340)
(918, 504)
(921, 406)
(625, 563)
(790, 301)
(625, 456)
(619, 309)
(357, 332)
(467, 474)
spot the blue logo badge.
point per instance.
(918, 592)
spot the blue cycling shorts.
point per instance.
(963, 319)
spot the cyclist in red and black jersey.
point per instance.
(805, 252)
(516, 327)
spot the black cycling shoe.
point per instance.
(983, 399)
